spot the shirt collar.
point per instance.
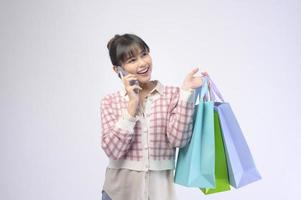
(159, 88)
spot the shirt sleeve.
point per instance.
(180, 124)
(117, 132)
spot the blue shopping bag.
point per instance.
(241, 166)
(196, 161)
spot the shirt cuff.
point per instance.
(127, 122)
(126, 115)
(187, 95)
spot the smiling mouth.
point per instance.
(144, 71)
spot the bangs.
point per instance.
(125, 52)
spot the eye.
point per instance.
(144, 53)
(132, 60)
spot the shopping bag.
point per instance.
(221, 171)
(241, 166)
(195, 162)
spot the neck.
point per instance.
(147, 86)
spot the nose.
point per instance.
(141, 62)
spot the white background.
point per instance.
(55, 68)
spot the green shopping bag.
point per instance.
(221, 171)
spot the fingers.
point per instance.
(205, 74)
(136, 88)
(131, 83)
(129, 76)
(129, 79)
(194, 70)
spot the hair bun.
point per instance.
(116, 36)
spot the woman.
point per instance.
(141, 130)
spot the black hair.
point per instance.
(122, 47)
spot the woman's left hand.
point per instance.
(193, 82)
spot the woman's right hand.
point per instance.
(133, 97)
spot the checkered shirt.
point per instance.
(149, 140)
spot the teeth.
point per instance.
(143, 71)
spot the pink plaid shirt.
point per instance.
(149, 140)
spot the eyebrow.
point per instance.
(142, 51)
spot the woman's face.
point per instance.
(140, 65)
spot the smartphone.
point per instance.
(121, 73)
